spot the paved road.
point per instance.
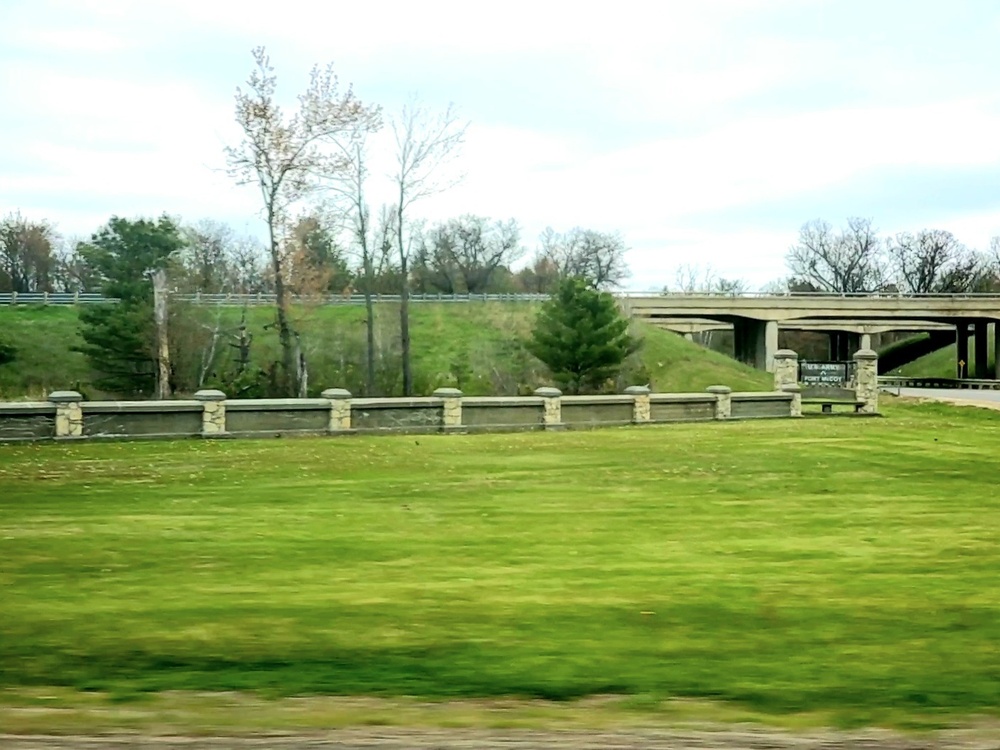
(959, 395)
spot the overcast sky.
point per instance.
(705, 131)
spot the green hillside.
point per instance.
(940, 364)
(475, 347)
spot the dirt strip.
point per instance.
(467, 739)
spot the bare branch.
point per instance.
(289, 159)
(851, 261)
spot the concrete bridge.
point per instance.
(757, 318)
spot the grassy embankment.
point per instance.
(822, 571)
(942, 363)
(474, 346)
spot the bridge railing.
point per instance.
(896, 381)
(817, 295)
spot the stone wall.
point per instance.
(66, 416)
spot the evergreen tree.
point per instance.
(119, 339)
(581, 336)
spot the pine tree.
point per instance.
(581, 336)
(119, 339)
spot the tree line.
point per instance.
(857, 258)
(311, 170)
(468, 254)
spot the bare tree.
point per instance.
(540, 277)
(350, 187)
(775, 287)
(287, 159)
(595, 256)
(206, 256)
(249, 267)
(694, 279)
(993, 261)
(849, 261)
(424, 144)
(27, 257)
(463, 254)
(933, 260)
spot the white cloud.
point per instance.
(672, 116)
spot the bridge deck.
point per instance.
(779, 308)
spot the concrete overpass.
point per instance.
(756, 319)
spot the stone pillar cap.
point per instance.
(719, 389)
(210, 394)
(866, 354)
(791, 388)
(638, 390)
(548, 392)
(336, 394)
(62, 397)
(448, 393)
(785, 354)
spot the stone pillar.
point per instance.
(996, 350)
(962, 349)
(640, 406)
(982, 349)
(796, 391)
(866, 341)
(723, 400)
(213, 415)
(552, 418)
(866, 380)
(69, 413)
(452, 400)
(786, 369)
(340, 409)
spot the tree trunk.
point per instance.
(404, 329)
(288, 386)
(370, 327)
(162, 342)
(404, 300)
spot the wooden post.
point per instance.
(162, 342)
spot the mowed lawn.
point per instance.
(849, 565)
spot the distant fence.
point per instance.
(352, 299)
(69, 298)
(893, 381)
(53, 298)
(250, 300)
(65, 415)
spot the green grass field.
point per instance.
(473, 346)
(840, 568)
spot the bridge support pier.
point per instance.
(755, 343)
(962, 349)
(996, 349)
(982, 349)
(843, 345)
